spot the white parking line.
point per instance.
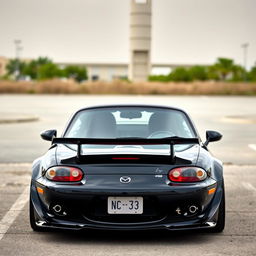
(249, 186)
(13, 213)
(252, 146)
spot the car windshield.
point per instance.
(130, 122)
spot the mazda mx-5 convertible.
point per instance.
(128, 167)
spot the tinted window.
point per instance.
(130, 122)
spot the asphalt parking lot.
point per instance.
(234, 117)
(20, 144)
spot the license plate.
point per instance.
(125, 205)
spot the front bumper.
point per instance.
(206, 217)
(173, 226)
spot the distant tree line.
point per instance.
(43, 68)
(223, 70)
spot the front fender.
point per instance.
(36, 168)
(217, 174)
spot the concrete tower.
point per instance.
(140, 40)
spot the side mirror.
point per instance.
(48, 134)
(212, 136)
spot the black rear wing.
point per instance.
(125, 141)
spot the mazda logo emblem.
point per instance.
(125, 179)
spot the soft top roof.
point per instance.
(131, 105)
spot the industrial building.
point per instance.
(106, 71)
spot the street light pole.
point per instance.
(245, 53)
(18, 50)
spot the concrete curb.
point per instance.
(239, 119)
(6, 119)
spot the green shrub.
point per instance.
(180, 75)
(252, 74)
(159, 78)
(48, 71)
(77, 73)
(198, 73)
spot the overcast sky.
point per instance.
(184, 31)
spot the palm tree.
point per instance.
(224, 67)
(15, 67)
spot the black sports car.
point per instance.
(128, 167)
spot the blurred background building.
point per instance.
(106, 71)
(3, 63)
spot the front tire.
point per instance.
(32, 218)
(220, 225)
